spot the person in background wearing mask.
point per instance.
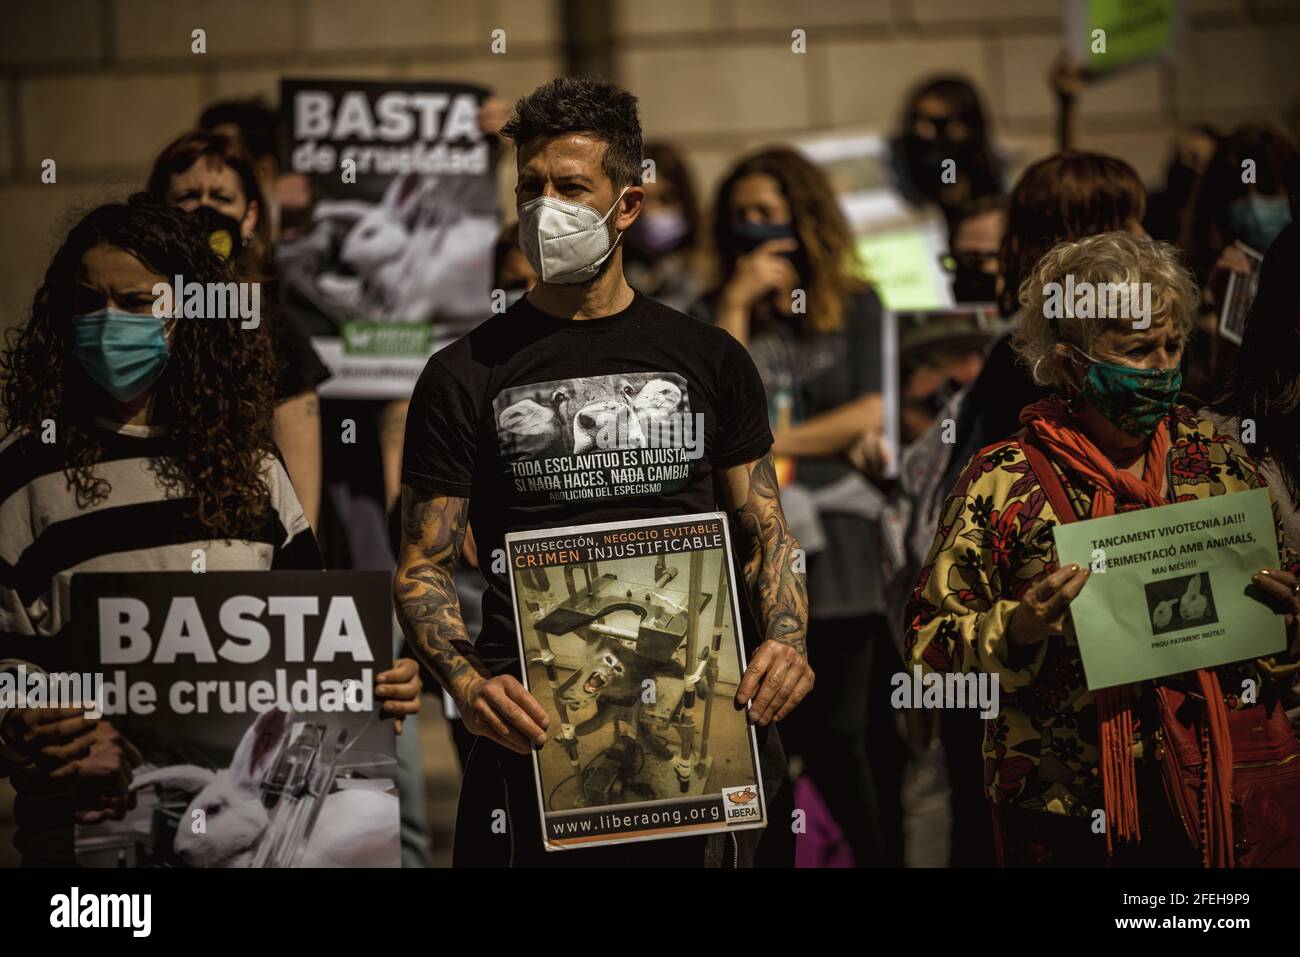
(944, 120)
(661, 245)
(582, 331)
(1226, 214)
(790, 289)
(1110, 439)
(151, 459)
(973, 244)
(212, 176)
(254, 126)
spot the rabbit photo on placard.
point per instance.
(1180, 603)
(226, 821)
(418, 254)
(422, 253)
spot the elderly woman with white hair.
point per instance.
(992, 598)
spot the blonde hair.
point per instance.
(1116, 258)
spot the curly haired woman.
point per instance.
(991, 597)
(132, 439)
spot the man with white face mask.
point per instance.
(581, 349)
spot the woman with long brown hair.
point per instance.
(790, 288)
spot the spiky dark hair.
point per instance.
(583, 104)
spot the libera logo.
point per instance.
(103, 910)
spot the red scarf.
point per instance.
(1058, 432)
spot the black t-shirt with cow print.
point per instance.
(544, 422)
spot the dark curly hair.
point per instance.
(214, 395)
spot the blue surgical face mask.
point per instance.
(123, 353)
(1256, 220)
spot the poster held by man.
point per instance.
(630, 636)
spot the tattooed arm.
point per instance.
(424, 593)
(778, 676)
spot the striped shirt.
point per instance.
(46, 537)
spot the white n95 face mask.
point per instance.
(565, 242)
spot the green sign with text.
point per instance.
(1171, 587)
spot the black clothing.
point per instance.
(543, 422)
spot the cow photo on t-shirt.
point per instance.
(599, 436)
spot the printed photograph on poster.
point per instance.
(391, 257)
(629, 637)
(593, 437)
(249, 698)
(1239, 295)
(1177, 603)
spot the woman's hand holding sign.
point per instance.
(1285, 588)
(1041, 612)
(399, 688)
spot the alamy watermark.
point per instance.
(210, 300)
(21, 688)
(1101, 300)
(926, 690)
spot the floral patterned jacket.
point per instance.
(993, 543)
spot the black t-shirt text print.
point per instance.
(543, 422)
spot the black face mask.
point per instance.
(971, 284)
(929, 154)
(222, 231)
(749, 236)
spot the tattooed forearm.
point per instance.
(424, 589)
(773, 561)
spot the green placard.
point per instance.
(901, 266)
(1134, 30)
(1171, 587)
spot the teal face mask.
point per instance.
(1132, 400)
(123, 353)
(1256, 220)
